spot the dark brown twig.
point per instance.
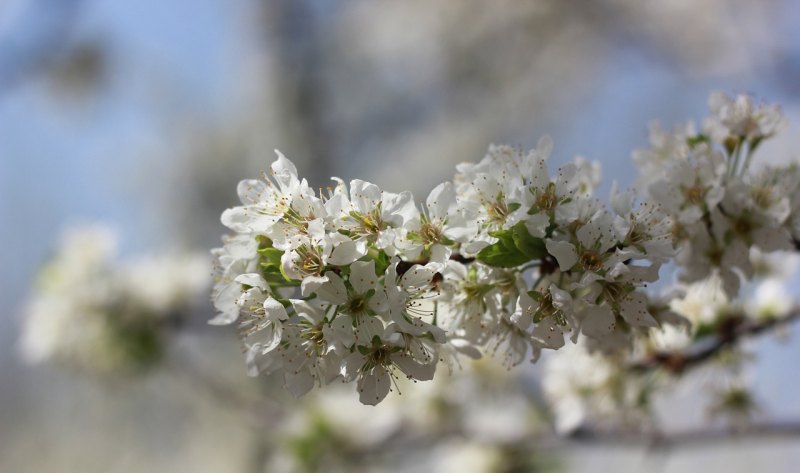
(729, 333)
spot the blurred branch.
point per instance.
(730, 332)
(687, 438)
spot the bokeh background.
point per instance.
(144, 115)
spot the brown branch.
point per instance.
(728, 334)
(686, 438)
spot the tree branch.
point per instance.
(687, 438)
(729, 333)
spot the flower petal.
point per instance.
(598, 321)
(333, 291)
(564, 252)
(347, 252)
(634, 310)
(363, 277)
(373, 386)
(298, 383)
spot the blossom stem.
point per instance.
(707, 347)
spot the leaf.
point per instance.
(528, 244)
(271, 267)
(503, 254)
(382, 260)
(515, 247)
(270, 256)
(693, 141)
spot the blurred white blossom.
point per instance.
(95, 313)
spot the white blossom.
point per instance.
(370, 286)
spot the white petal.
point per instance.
(347, 252)
(598, 321)
(351, 366)
(441, 199)
(537, 224)
(299, 383)
(316, 229)
(413, 369)
(523, 310)
(398, 208)
(634, 310)
(363, 277)
(564, 252)
(568, 212)
(253, 280)
(544, 146)
(275, 309)
(417, 276)
(340, 331)
(548, 333)
(440, 254)
(364, 196)
(225, 303)
(252, 191)
(311, 283)
(236, 219)
(373, 386)
(241, 246)
(311, 312)
(541, 177)
(466, 348)
(267, 337)
(284, 172)
(367, 327)
(386, 238)
(333, 291)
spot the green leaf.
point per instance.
(270, 256)
(271, 267)
(516, 246)
(693, 141)
(382, 260)
(502, 255)
(532, 247)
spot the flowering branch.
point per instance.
(364, 285)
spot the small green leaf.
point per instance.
(532, 247)
(516, 246)
(693, 141)
(502, 255)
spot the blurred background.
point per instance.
(144, 115)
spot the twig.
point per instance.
(685, 438)
(728, 334)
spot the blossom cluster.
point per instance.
(721, 208)
(94, 313)
(735, 232)
(365, 285)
